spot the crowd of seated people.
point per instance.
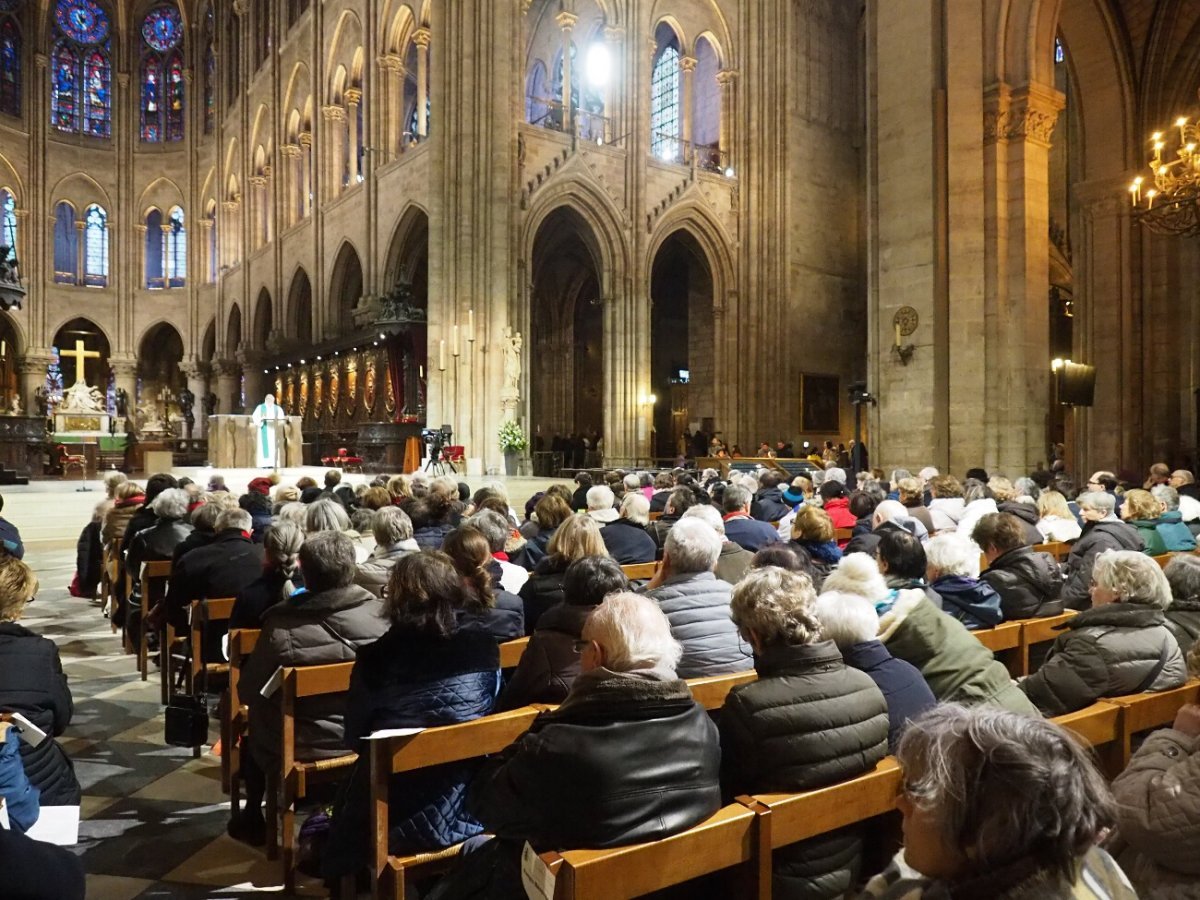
(859, 650)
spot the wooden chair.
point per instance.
(655, 516)
(1004, 641)
(68, 461)
(293, 775)
(1142, 712)
(1100, 726)
(711, 692)
(1060, 550)
(842, 534)
(171, 649)
(110, 572)
(234, 713)
(203, 614)
(1039, 631)
(1163, 560)
(155, 570)
(640, 571)
(512, 651)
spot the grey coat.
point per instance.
(1108, 651)
(373, 573)
(307, 630)
(697, 606)
(1109, 534)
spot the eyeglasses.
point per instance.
(580, 646)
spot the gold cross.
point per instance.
(81, 357)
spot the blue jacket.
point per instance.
(409, 679)
(1175, 534)
(750, 533)
(10, 539)
(628, 542)
(903, 688)
(20, 797)
(973, 602)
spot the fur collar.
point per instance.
(906, 601)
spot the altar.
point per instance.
(231, 442)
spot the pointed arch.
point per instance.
(233, 330)
(299, 308)
(345, 287)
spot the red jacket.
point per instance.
(839, 512)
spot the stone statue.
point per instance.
(41, 399)
(210, 404)
(82, 398)
(122, 402)
(15, 409)
(512, 364)
(187, 400)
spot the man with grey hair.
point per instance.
(222, 568)
(1101, 531)
(889, 514)
(601, 505)
(497, 529)
(1183, 615)
(696, 602)
(393, 532)
(629, 756)
(735, 559)
(1177, 537)
(898, 475)
(625, 537)
(740, 528)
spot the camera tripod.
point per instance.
(437, 462)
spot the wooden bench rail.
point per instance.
(1005, 636)
(1060, 550)
(512, 651)
(640, 571)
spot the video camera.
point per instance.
(437, 439)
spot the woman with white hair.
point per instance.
(158, 542)
(625, 536)
(952, 569)
(999, 806)
(329, 515)
(1102, 530)
(1183, 615)
(850, 621)
(808, 721)
(957, 668)
(1120, 646)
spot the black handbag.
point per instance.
(187, 721)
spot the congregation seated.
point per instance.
(734, 560)
(978, 501)
(593, 772)
(393, 533)
(901, 560)
(664, 484)
(808, 721)
(1183, 615)
(952, 570)
(549, 513)
(280, 578)
(749, 533)
(626, 537)
(1120, 645)
(159, 541)
(1157, 796)
(797, 494)
(862, 506)
(1028, 583)
(911, 494)
(433, 518)
(426, 670)
(32, 683)
(1102, 530)
(850, 621)
(574, 539)
(888, 514)
(769, 505)
(1056, 522)
(327, 514)
(203, 520)
(495, 610)
(1177, 534)
(945, 502)
(498, 529)
(1007, 501)
(696, 602)
(550, 664)
(222, 569)
(257, 502)
(326, 622)
(955, 665)
(284, 494)
(999, 805)
(1141, 511)
(836, 502)
(813, 532)
(678, 501)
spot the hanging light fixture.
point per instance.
(1168, 200)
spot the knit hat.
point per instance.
(857, 573)
(260, 485)
(793, 495)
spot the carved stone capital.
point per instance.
(34, 364)
(422, 38)
(305, 138)
(566, 20)
(194, 370)
(390, 63)
(334, 113)
(259, 181)
(353, 96)
(231, 206)
(227, 368)
(726, 77)
(687, 64)
(123, 368)
(290, 151)
(614, 34)
(1027, 114)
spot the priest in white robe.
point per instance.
(265, 450)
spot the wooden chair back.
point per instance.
(1163, 560)
(1040, 631)
(1142, 712)
(512, 651)
(155, 570)
(233, 715)
(1060, 550)
(205, 613)
(711, 692)
(655, 516)
(640, 571)
(842, 534)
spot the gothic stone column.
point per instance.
(229, 384)
(32, 371)
(197, 382)
(124, 369)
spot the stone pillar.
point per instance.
(32, 371)
(206, 227)
(141, 229)
(258, 210)
(255, 381)
(353, 99)
(726, 80)
(335, 118)
(306, 173)
(422, 38)
(290, 185)
(80, 252)
(566, 21)
(124, 369)
(687, 70)
(197, 382)
(392, 68)
(164, 247)
(229, 386)
(614, 36)
(228, 234)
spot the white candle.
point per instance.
(471, 325)
(454, 343)
(442, 356)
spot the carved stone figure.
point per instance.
(512, 364)
(122, 398)
(41, 399)
(82, 398)
(210, 404)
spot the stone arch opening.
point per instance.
(159, 375)
(67, 369)
(299, 306)
(345, 288)
(566, 341)
(682, 364)
(262, 320)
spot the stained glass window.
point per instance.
(1060, 55)
(176, 249)
(162, 85)
(80, 83)
(8, 219)
(664, 104)
(66, 247)
(95, 247)
(154, 250)
(10, 65)
(210, 92)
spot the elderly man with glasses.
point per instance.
(1102, 530)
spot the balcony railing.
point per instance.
(672, 149)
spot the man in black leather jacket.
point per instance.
(1029, 584)
(628, 757)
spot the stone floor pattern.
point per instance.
(153, 818)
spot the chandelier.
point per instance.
(1170, 204)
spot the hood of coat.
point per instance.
(949, 506)
(396, 550)
(1121, 532)
(906, 601)
(1026, 512)
(1118, 615)
(976, 597)
(603, 516)
(1038, 569)
(797, 659)
(323, 602)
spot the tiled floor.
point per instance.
(153, 818)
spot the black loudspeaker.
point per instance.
(1076, 384)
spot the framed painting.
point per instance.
(820, 404)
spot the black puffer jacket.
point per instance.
(1028, 515)
(156, 542)
(543, 590)
(1183, 618)
(768, 506)
(808, 721)
(1028, 583)
(32, 683)
(1109, 534)
(549, 665)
